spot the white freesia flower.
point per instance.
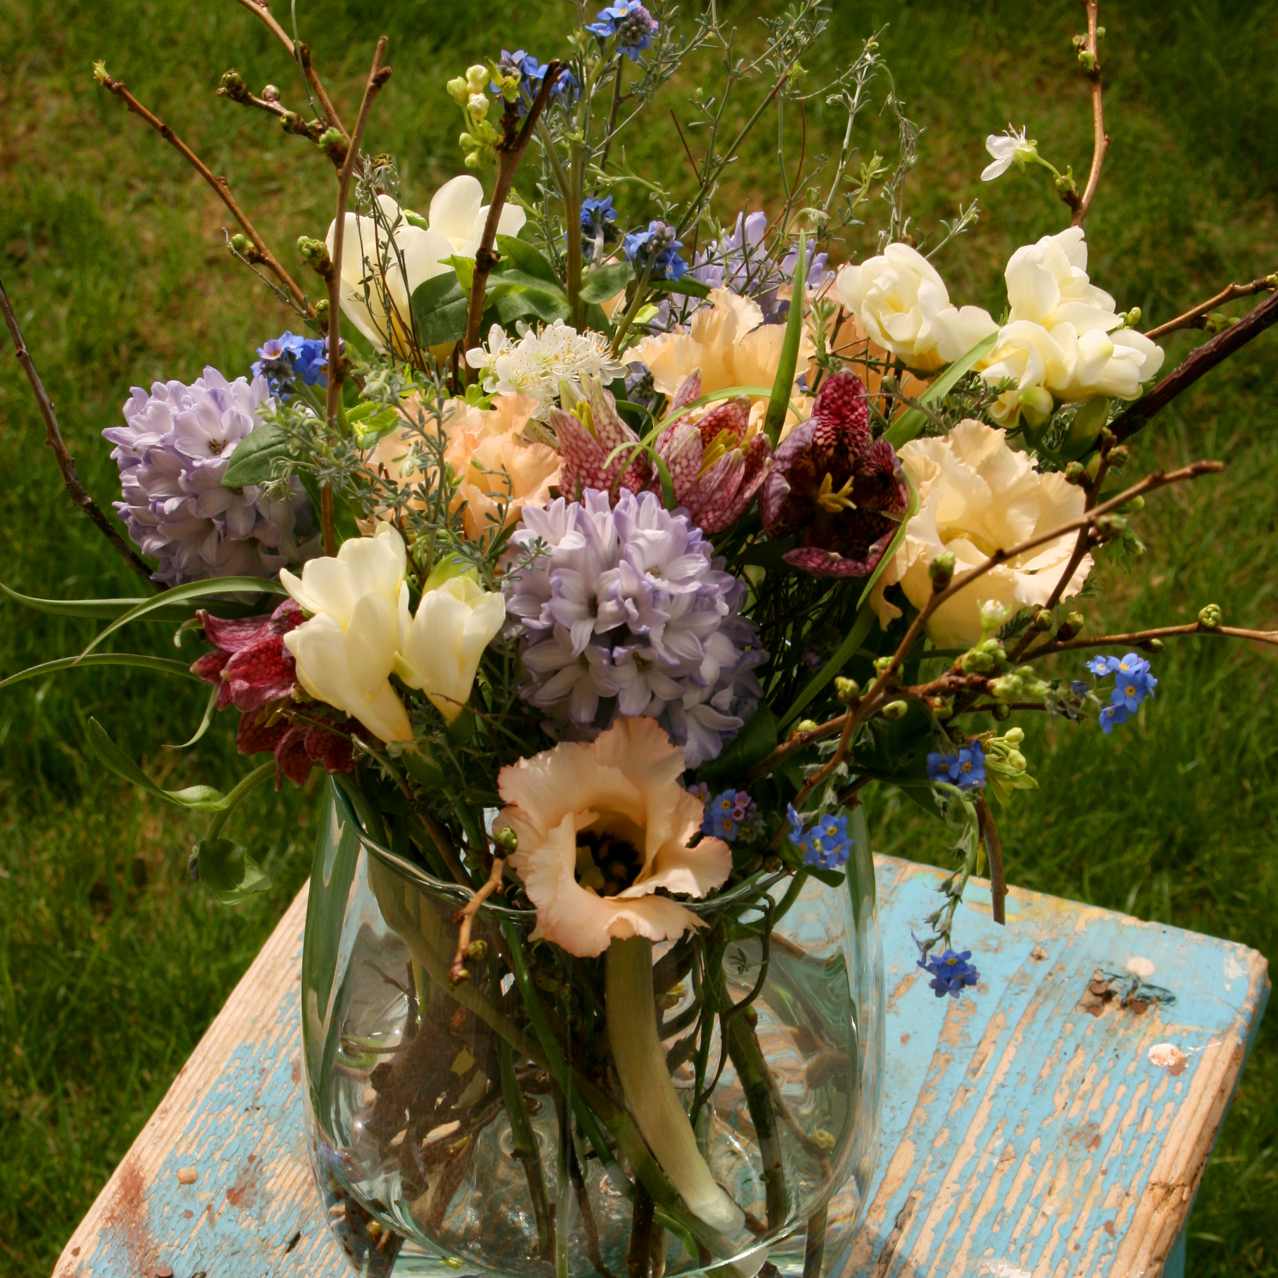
(1063, 333)
(458, 213)
(977, 495)
(384, 259)
(440, 648)
(537, 361)
(347, 649)
(902, 304)
(1006, 149)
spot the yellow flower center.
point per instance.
(835, 499)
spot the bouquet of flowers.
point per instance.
(603, 550)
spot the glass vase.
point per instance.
(484, 1126)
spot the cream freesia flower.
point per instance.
(977, 495)
(902, 304)
(458, 213)
(347, 649)
(495, 463)
(727, 342)
(441, 646)
(601, 828)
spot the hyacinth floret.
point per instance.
(172, 453)
(632, 25)
(621, 609)
(656, 250)
(290, 358)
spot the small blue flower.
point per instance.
(1101, 666)
(630, 22)
(597, 214)
(1080, 687)
(951, 972)
(729, 815)
(656, 249)
(965, 768)
(826, 844)
(1112, 715)
(531, 73)
(1133, 682)
(288, 357)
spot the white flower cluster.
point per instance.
(540, 359)
(1063, 335)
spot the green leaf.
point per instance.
(752, 744)
(908, 425)
(606, 281)
(465, 269)
(526, 258)
(204, 723)
(254, 458)
(370, 421)
(161, 665)
(439, 310)
(227, 870)
(513, 299)
(687, 286)
(93, 609)
(788, 364)
(189, 592)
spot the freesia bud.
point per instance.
(1037, 405)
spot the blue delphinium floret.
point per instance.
(623, 609)
(964, 768)
(730, 815)
(289, 358)
(656, 249)
(598, 223)
(172, 452)
(634, 27)
(532, 72)
(951, 972)
(1133, 682)
(825, 843)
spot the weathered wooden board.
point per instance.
(1053, 1125)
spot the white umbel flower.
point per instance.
(1007, 149)
(535, 363)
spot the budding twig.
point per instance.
(1089, 54)
(377, 76)
(260, 253)
(1196, 316)
(1135, 638)
(466, 918)
(66, 464)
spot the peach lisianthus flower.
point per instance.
(601, 827)
(976, 495)
(495, 463)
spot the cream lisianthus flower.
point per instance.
(347, 649)
(727, 342)
(384, 259)
(441, 646)
(977, 495)
(458, 213)
(902, 304)
(495, 463)
(601, 828)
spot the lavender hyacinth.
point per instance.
(172, 454)
(622, 610)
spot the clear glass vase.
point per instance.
(484, 1127)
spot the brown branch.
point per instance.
(1136, 638)
(509, 153)
(994, 848)
(301, 54)
(1090, 53)
(377, 76)
(258, 253)
(465, 919)
(53, 436)
(1195, 365)
(1196, 316)
(234, 89)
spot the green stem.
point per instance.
(649, 1090)
(572, 218)
(524, 1142)
(747, 1056)
(636, 304)
(814, 1244)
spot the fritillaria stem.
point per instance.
(524, 1142)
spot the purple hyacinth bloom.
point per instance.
(172, 453)
(632, 24)
(622, 609)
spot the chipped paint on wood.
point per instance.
(1037, 1128)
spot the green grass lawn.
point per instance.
(111, 964)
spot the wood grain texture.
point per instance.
(1053, 1125)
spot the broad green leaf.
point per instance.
(371, 421)
(190, 592)
(606, 281)
(753, 743)
(227, 870)
(526, 258)
(465, 269)
(161, 665)
(788, 364)
(439, 310)
(91, 609)
(686, 286)
(908, 425)
(512, 302)
(254, 458)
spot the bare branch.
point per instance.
(1196, 316)
(1089, 55)
(466, 919)
(53, 435)
(1138, 638)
